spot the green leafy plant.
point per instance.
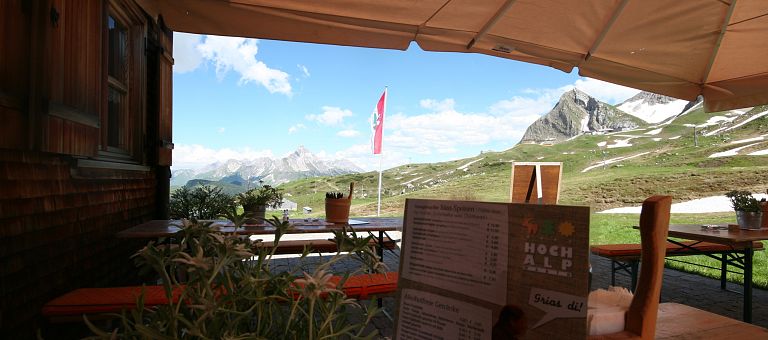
(230, 291)
(743, 201)
(265, 195)
(202, 202)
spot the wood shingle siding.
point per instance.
(57, 233)
(63, 193)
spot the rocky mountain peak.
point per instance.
(577, 96)
(301, 151)
(576, 113)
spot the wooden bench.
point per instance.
(71, 306)
(626, 257)
(315, 246)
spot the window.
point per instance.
(118, 85)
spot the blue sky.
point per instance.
(246, 98)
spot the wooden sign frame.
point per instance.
(535, 182)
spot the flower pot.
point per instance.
(257, 213)
(337, 210)
(749, 220)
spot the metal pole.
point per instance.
(378, 210)
(695, 137)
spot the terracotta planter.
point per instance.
(337, 210)
(749, 220)
(257, 214)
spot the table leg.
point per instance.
(381, 245)
(723, 270)
(748, 254)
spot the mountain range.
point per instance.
(676, 149)
(647, 131)
(249, 172)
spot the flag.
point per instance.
(377, 122)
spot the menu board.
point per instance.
(477, 270)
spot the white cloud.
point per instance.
(239, 55)
(348, 133)
(195, 155)
(604, 91)
(221, 130)
(330, 116)
(446, 131)
(296, 128)
(438, 105)
(362, 156)
(186, 57)
(304, 70)
(525, 109)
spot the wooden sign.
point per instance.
(477, 270)
(535, 182)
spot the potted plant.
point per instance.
(337, 206)
(256, 201)
(748, 212)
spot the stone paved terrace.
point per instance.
(690, 289)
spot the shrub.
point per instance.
(265, 195)
(204, 202)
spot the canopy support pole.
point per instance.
(719, 41)
(492, 22)
(606, 28)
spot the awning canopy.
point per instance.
(681, 48)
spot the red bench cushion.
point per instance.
(115, 299)
(106, 300)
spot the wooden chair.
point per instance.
(640, 320)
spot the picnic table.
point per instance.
(741, 240)
(376, 226)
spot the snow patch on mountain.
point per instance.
(613, 160)
(464, 167)
(654, 132)
(653, 108)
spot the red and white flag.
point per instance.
(377, 122)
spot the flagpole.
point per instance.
(378, 211)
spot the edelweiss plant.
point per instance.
(227, 290)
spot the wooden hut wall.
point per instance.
(62, 198)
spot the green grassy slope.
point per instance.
(666, 162)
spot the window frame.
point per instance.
(129, 147)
